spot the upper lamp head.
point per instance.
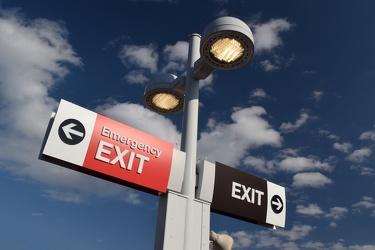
(227, 43)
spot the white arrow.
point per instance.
(68, 131)
(278, 203)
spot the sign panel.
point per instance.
(247, 197)
(94, 144)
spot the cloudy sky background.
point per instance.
(300, 115)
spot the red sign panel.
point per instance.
(128, 154)
(93, 144)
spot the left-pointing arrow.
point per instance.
(69, 131)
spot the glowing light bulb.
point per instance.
(227, 50)
(165, 101)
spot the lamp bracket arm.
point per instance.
(179, 84)
(202, 69)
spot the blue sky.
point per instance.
(300, 114)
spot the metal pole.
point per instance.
(189, 138)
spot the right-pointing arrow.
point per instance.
(278, 203)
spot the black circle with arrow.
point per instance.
(71, 131)
(277, 204)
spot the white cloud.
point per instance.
(258, 163)
(176, 56)
(267, 35)
(288, 240)
(369, 135)
(312, 179)
(280, 239)
(311, 209)
(333, 224)
(287, 152)
(269, 66)
(317, 95)
(265, 239)
(314, 210)
(258, 93)
(136, 76)
(343, 147)
(366, 202)
(228, 143)
(297, 232)
(242, 239)
(130, 196)
(290, 127)
(363, 247)
(288, 160)
(71, 197)
(359, 155)
(333, 137)
(261, 164)
(299, 164)
(313, 245)
(328, 134)
(367, 171)
(336, 213)
(35, 56)
(143, 56)
(176, 52)
(363, 170)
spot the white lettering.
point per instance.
(130, 162)
(158, 153)
(235, 190)
(252, 194)
(105, 131)
(241, 192)
(101, 151)
(133, 144)
(119, 158)
(246, 193)
(104, 149)
(260, 193)
(142, 159)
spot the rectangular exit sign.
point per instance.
(247, 197)
(96, 145)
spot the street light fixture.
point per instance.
(164, 94)
(227, 43)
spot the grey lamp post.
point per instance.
(227, 43)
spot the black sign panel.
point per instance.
(239, 195)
